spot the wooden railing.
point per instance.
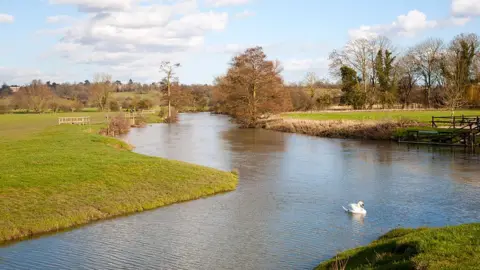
(456, 121)
(148, 111)
(84, 120)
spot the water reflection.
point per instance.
(286, 212)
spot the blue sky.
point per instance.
(71, 40)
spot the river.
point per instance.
(287, 211)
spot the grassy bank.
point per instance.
(54, 177)
(365, 129)
(374, 125)
(455, 247)
(420, 116)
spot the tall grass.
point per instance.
(375, 130)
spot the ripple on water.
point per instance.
(286, 212)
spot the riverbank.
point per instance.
(55, 177)
(353, 129)
(370, 125)
(454, 247)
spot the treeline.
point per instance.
(101, 93)
(434, 73)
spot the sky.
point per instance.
(72, 40)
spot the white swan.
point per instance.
(356, 208)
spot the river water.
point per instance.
(287, 211)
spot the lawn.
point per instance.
(54, 177)
(454, 247)
(421, 116)
(15, 126)
(152, 95)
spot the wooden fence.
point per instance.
(148, 112)
(84, 120)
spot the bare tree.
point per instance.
(169, 70)
(456, 65)
(427, 57)
(310, 82)
(360, 55)
(355, 54)
(101, 89)
(35, 96)
(407, 71)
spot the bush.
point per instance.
(118, 125)
(145, 104)
(114, 106)
(174, 116)
(324, 101)
(356, 98)
(164, 114)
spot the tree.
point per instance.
(169, 70)
(310, 82)
(35, 97)
(355, 55)
(252, 87)
(384, 67)
(427, 57)
(5, 90)
(350, 88)
(456, 66)
(408, 79)
(360, 55)
(101, 89)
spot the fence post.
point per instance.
(433, 121)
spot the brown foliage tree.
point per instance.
(100, 91)
(35, 97)
(252, 87)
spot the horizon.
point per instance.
(74, 39)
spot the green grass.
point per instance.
(421, 116)
(454, 247)
(54, 177)
(15, 126)
(150, 95)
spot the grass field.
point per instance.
(456, 247)
(152, 95)
(54, 177)
(421, 116)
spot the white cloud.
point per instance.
(244, 14)
(6, 18)
(59, 19)
(408, 25)
(132, 42)
(97, 5)
(466, 7)
(52, 32)
(22, 76)
(305, 64)
(222, 3)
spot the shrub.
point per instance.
(118, 125)
(114, 106)
(145, 104)
(324, 101)
(164, 114)
(174, 116)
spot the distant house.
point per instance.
(15, 88)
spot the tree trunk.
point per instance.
(169, 100)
